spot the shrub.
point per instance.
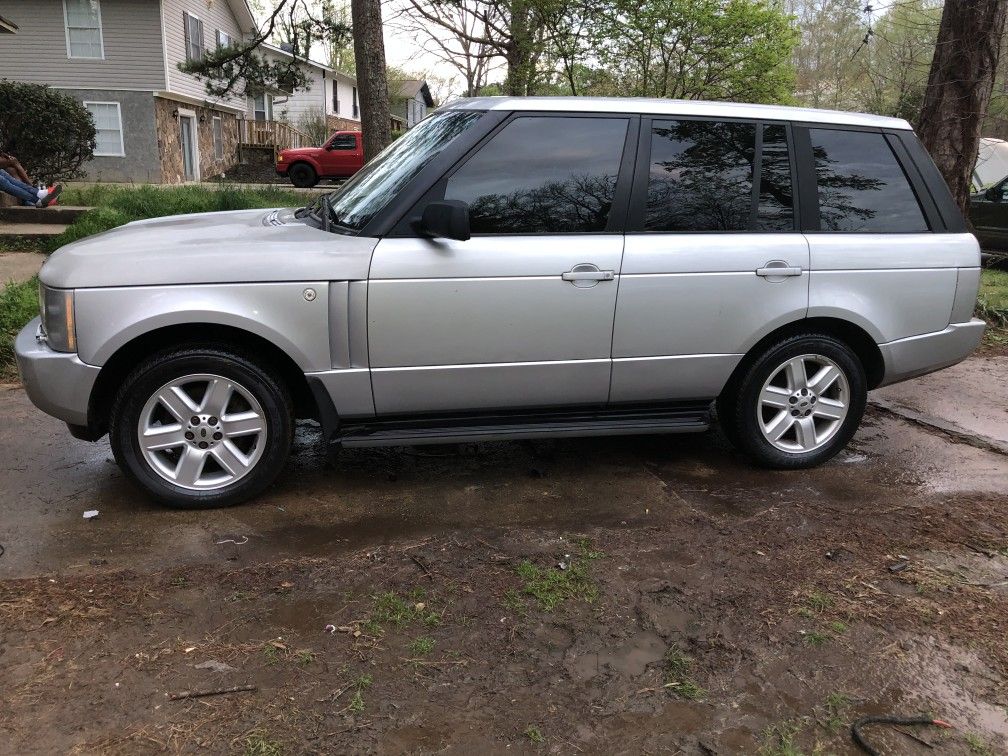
(312, 123)
(18, 305)
(51, 133)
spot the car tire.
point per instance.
(233, 444)
(302, 175)
(798, 404)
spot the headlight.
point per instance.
(56, 307)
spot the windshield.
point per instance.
(992, 162)
(382, 178)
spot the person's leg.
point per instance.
(24, 192)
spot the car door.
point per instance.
(521, 314)
(989, 214)
(713, 260)
(339, 155)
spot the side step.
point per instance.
(693, 418)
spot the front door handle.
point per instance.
(778, 269)
(587, 274)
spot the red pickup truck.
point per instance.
(342, 155)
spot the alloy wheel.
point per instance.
(803, 403)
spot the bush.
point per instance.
(312, 123)
(51, 133)
(18, 305)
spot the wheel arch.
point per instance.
(316, 169)
(250, 345)
(851, 334)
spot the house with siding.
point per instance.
(120, 59)
(413, 102)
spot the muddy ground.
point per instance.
(703, 606)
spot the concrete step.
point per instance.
(59, 214)
(26, 233)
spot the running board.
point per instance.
(414, 432)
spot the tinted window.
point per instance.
(861, 186)
(344, 142)
(701, 176)
(775, 211)
(543, 175)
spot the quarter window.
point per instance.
(862, 187)
(543, 175)
(83, 28)
(108, 128)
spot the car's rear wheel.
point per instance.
(302, 175)
(798, 404)
(202, 427)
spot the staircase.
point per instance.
(30, 225)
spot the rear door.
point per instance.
(878, 257)
(521, 314)
(713, 260)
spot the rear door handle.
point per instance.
(778, 268)
(587, 274)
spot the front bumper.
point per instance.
(281, 169)
(917, 355)
(58, 383)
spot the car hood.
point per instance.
(226, 247)
(300, 151)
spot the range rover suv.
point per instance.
(521, 268)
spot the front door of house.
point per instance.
(190, 169)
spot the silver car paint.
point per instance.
(490, 323)
(240, 246)
(705, 306)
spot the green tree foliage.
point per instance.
(699, 49)
(51, 133)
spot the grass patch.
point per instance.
(551, 586)
(422, 645)
(978, 745)
(389, 608)
(117, 205)
(992, 305)
(815, 638)
(837, 705)
(257, 744)
(677, 667)
(779, 740)
(18, 305)
(361, 684)
(534, 734)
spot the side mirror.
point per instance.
(448, 219)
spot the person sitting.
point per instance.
(14, 181)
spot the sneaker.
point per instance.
(52, 194)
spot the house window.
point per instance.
(193, 28)
(218, 138)
(83, 29)
(224, 39)
(335, 97)
(262, 107)
(108, 127)
(356, 108)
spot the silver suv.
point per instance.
(521, 268)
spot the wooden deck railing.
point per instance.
(280, 136)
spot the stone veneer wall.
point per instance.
(170, 144)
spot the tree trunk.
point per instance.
(372, 84)
(959, 88)
(519, 50)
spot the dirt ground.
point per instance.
(620, 595)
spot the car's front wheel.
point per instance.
(302, 175)
(202, 427)
(798, 404)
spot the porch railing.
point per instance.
(275, 134)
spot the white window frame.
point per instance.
(122, 146)
(218, 145)
(187, 37)
(186, 113)
(101, 35)
(220, 34)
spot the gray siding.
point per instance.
(131, 30)
(141, 163)
(215, 16)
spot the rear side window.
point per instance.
(862, 188)
(543, 174)
(702, 176)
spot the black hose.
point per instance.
(855, 729)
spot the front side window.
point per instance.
(543, 174)
(343, 142)
(83, 28)
(108, 128)
(862, 188)
(372, 187)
